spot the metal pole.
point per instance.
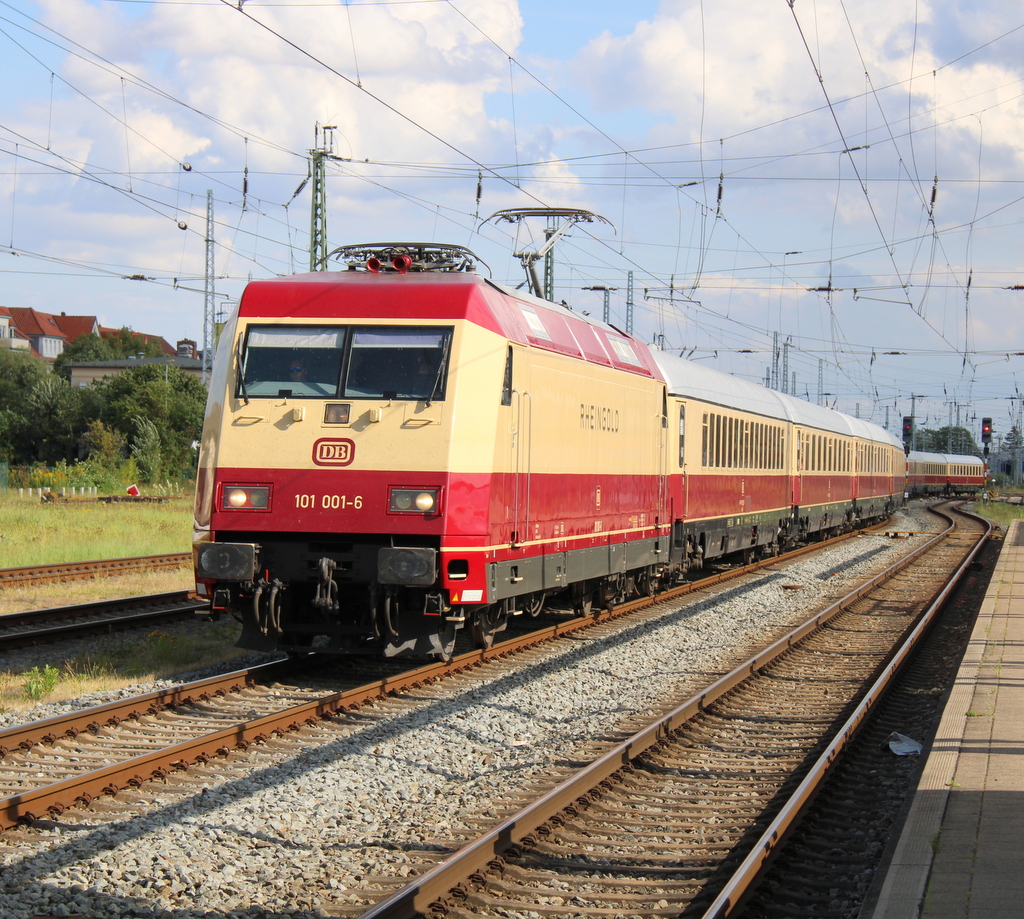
(549, 260)
(208, 301)
(629, 303)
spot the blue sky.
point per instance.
(844, 177)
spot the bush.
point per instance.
(39, 683)
(109, 478)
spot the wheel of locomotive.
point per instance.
(487, 623)
(582, 598)
(533, 604)
(446, 642)
(647, 581)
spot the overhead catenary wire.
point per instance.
(633, 178)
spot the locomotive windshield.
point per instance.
(354, 362)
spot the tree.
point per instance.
(955, 440)
(60, 418)
(90, 347)
(172, 399)
(104, 445)
(20, 372)
(128, 343)
(146, 449)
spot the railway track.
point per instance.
(69, 571)
(683, 816)
(34, 742)
(856, 817)
(61, 623)
(89, 739)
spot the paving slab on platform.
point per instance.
(961, 851)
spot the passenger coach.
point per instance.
(943, 474)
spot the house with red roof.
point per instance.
(10, 337)
(77, 326)
(47, 333)
(40, 329)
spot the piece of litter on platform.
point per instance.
(902, 745)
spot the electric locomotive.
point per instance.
(403, 449)
(399, 450)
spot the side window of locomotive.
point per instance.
(682, 433)
(398, 362)
(302, 362)
(506, 381)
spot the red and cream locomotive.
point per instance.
(401, 449)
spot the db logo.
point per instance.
(334, 452)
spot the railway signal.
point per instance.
(908, 431)
(986, 433)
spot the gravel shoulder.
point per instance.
(302, 824)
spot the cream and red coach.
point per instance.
(944, 474)
(401, 449)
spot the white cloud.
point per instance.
(725, 88)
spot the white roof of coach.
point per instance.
(920, 456)
(686, 378)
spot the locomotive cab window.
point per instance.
(291, 362)
(366, 362)
(398, 362)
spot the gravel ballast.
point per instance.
(301, 824)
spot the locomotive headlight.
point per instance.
(246, 498)
(414, 500)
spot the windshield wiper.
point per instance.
(440, 368)
(241, 376)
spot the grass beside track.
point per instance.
(119, 661)
(1002, 513)
(34, 533)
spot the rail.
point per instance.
(66, 571)
(432, 887)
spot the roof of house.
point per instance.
(165, 346)
(77, 326)
(31, 322)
